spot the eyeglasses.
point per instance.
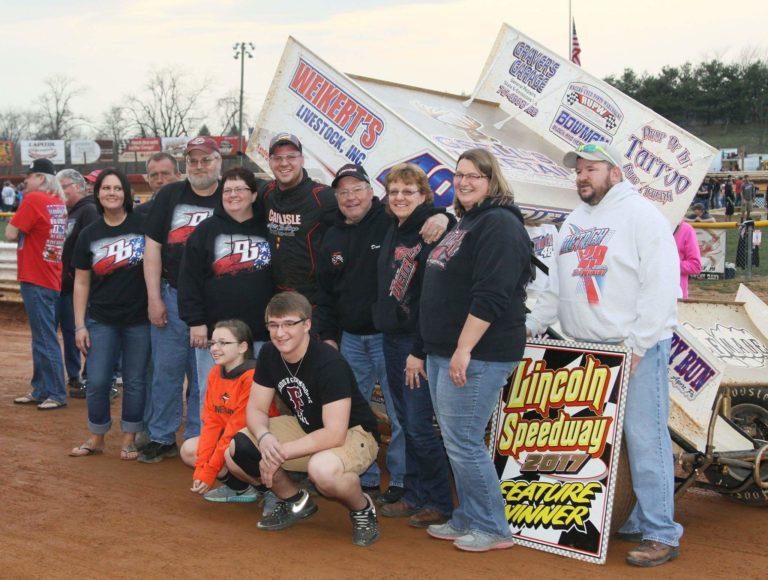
(356, 192)
(220, 343)
(68, 185)
(275, 326)
(471, 177)
(592, 147)
(289, 158)
(201, 162)
(235, 190)
(404, 192)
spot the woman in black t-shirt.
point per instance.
(110, 301)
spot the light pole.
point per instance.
(242, 49)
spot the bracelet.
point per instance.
(258, 441)
(79, 328)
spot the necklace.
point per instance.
(298, 368)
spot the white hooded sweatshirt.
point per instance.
(616, 274)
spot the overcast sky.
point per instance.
(109, 47)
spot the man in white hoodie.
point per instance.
(615, 280)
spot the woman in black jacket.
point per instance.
(226, 270)
(427, 498)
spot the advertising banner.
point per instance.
(557, 444)
(568, 107)
(6, 152)
(53, 150)
(83, 152)
(107, 147)
(175, 146)
(229, 145)
(712, 248)
(138, 149)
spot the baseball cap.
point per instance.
(42, 166)
(592, 152)
(284, 139)
(204, 144)
(351, 170)
(93, 176)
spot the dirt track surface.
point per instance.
(99, 517)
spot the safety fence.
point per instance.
(732, 249)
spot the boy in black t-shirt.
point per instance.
(331, 433)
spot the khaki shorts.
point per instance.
(358, 452)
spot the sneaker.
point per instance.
(155, 452)
(426, 517)
(445, 532)
(393, 494)
(634, 537)
(482, 542)
(226, 494)
(365, 526)
(270, 503)
(651, 553)
(287, 513)
(76, 389)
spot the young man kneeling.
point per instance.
(331, 433)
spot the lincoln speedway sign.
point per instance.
(558, 439)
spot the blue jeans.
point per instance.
(650, 449)
(107, 343)
(172, 358)
(365, 355)
(65, 316)
(205, 364)
(427, 480)
(47, 364)
(463, 415)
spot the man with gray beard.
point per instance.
(177, 210)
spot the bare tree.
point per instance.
(115, 124)
(57, 117)
(228, 109)
(170, 107)
(17, 124)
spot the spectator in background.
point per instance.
(110, 301)
(699, 213)
(747, 198)
(81, 211)
(90, 179)
(737, 189)
(730, 201)
(688, 252)
(714, 193)
(8, 196)
(40, 227)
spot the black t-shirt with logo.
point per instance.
(322, 377)
(175, 213)
(115, 257)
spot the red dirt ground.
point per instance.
(99, 517)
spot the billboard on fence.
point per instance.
(6, 152)
(712, 249)
(107, 147)
(52, 149)
(557, 445)
(229, 145)
(84, 151)
(138, 149)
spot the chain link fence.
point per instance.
(732, 250)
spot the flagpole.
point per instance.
(570, 31)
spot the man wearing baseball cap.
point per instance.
(616, 270)
(177, 210)
(298, 212)
(40, 227)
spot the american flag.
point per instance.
(575, 48)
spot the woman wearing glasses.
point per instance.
(226, 270)
(472, 323)
(428, 498)
(223, 414)
(110, 302)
